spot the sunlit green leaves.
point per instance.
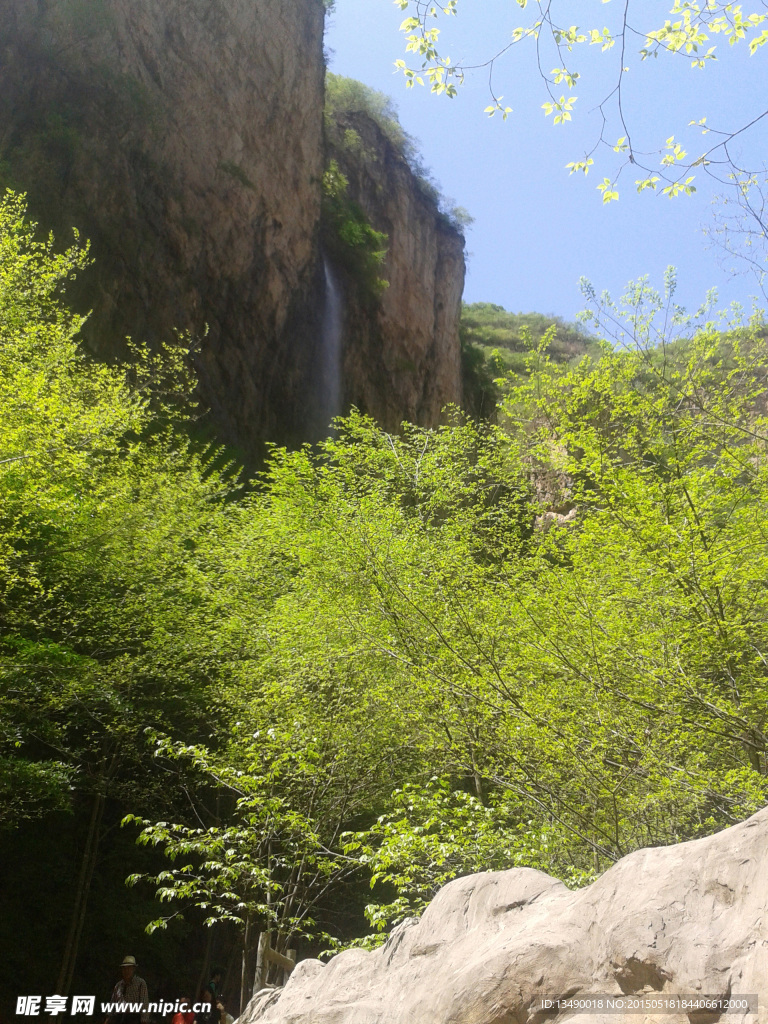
(689, 28)
(563, 75)
(497, 108)
(560, 108)
(102, 507)
(677, 188)
(580, 165)
(644, 183)
(404, 656)
(603, 39)
(675, 153)
(568, 37)
(608, 190)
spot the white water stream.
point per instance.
(330, 349)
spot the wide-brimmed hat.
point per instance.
(129, 961)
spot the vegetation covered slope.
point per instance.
(495, 342)
(385, 663)
(349, 96)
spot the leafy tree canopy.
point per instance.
(395, 658)
(107, 517)
(556, 29)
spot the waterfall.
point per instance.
(330, 350)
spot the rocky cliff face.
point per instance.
(184, 138)
(401, 354)
(689, 920)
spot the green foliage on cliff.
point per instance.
(495, 330)
(236, 172)
(495, 342)
(479, 374)
(389, 662)
(348, 96)
(344, 95)
(350, 236)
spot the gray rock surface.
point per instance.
(184, 138)
(402, 359)
(685, 919)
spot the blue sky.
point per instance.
(537, 229)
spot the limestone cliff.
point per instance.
(401, 353)
(686, 920)
(184, 138)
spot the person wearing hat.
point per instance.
(130, 989)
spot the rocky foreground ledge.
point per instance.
(683, 919)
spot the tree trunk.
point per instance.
(201, 981)
(228, 984)
(82, 891)
(262, 964)
(245, 963)
(291, 954)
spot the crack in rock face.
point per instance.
(677, 920)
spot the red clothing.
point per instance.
(184, 1018)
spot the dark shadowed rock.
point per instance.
(184, 138)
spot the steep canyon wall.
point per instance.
(185, 139)
(402, 355)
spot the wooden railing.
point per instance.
(265, 956)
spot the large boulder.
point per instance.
(685, 919)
